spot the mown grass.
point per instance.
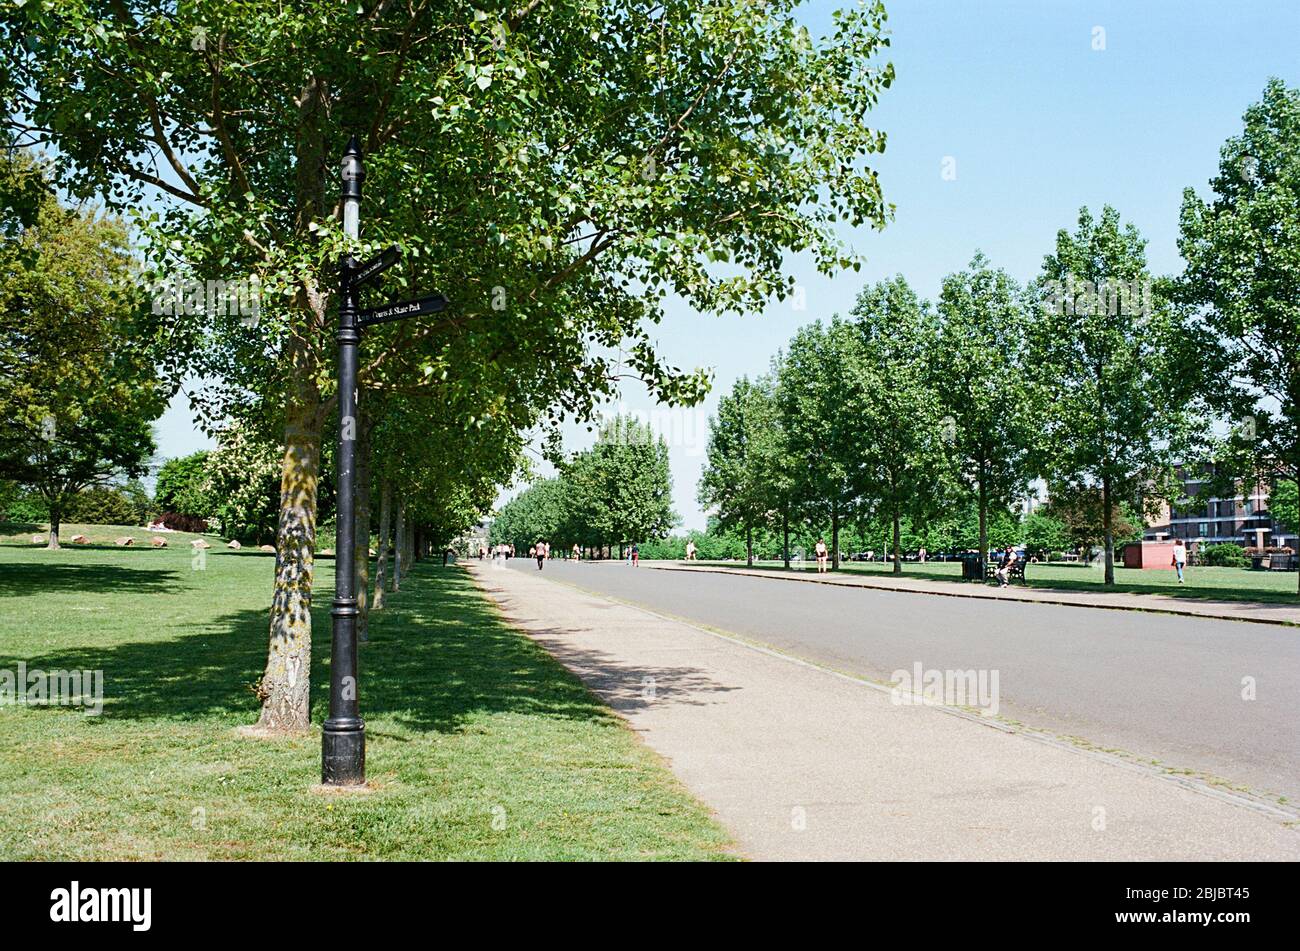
(480, 745)
(1227, 584)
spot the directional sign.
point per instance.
(377, 265)
(410, 308)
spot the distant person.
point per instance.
(920, 555)
(577, 552)
(1009, 559)
(636, 557)
(540, 552)
(690, 551)
(532, 551)
(1180, 558)
(822, 552)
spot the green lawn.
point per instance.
(1235, 584)
(480, 745)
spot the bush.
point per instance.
(1225, 555)
(20, 505)
(102, 505)
(184, 523)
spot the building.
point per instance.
(1243, 519)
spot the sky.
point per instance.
(1040, 107)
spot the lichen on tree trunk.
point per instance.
(286, 683)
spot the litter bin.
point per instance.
(972, 566)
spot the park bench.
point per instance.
(1017, 570)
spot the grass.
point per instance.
(1224, 584)
(480, 745)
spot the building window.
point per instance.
(1203, 529)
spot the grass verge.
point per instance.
(481, 746)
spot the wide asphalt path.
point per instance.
(1169, 690)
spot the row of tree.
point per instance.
(1096, 376)
(617, 492)
(590, 160)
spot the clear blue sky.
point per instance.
(1038, 123)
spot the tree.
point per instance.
(242, 476)
(77, 387)
(741, 477)
(1045, 533)
(589, 160)
(620, 490)
(979, 374)
(818, 398)
(1117, 395)
(1284, 506)
(1080, 510)
(182, 486)
(1242, 277)
(905, 462)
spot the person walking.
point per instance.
(577, 552)
(822, 552)
(636, 556)
(541, 554)
(690, 550)
(1180, 558)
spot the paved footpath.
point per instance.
(804, 764)
(1256, 611)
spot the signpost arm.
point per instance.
(343, 738)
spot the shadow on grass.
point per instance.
(27, 578)
(437, 655)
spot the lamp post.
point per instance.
(343, 738)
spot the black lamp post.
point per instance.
(343, 739)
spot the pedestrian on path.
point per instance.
(636, 557)
(1180, 558)
(541, 552)
(822, 553)
(690, 550)
(577, 552)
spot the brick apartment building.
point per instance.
(1244, 519)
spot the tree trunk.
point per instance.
(984, 520)
(1107, 531)
(749, 546)
(56, 519)
(835, 538)
(399, 546)
(361, 537)
(898, 537)
(785, 537)
(286, 683)
(385, 526)
(285, 688)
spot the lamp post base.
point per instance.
(343, 753)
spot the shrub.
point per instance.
(102, 505)
(20, 505)
(1225, 555)
(184, 523)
